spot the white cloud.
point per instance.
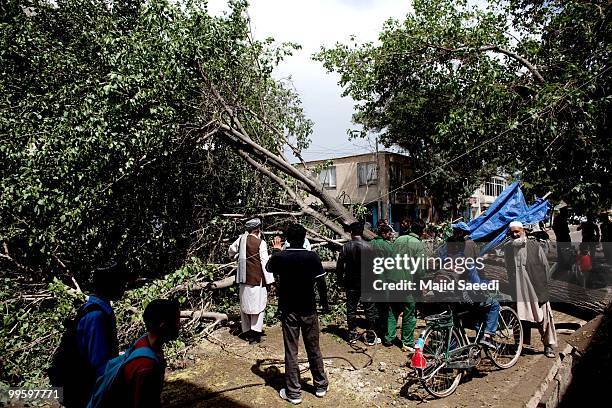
(313, 23)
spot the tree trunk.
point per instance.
(591, 301)
(272, 165)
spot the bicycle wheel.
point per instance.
(444, 380)
(509, 339)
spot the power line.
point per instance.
(543, 110)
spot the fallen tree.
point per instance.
(336, 217)
(590, 301)
(194, 317)
(218, 284)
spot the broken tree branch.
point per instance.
(495, 48)
(200, 314)
(264, 215)
(218, 284)
(9, 258)
(233, 131)
(264, 154)
(324, 238)
(331, 224)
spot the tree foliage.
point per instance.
(105, 143)
(470, 92)
(110, 147)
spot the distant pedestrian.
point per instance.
(590, 234)
(563, 239)
(405, 226)
(385, 222)
(606, 236)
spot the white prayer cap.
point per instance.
(253, 223)
(516, 224)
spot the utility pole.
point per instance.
(379, 176)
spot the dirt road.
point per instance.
(228, 372)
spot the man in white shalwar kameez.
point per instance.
(251, 252)
(528, 274)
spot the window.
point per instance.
(327, 177)
(367, 173)
(395, 174)
(495, 186)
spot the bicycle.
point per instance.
(449, 352)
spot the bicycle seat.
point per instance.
(440, 319)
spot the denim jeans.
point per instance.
(492, 317)
(493, 312)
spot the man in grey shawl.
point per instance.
(527, 268)
(251, 252)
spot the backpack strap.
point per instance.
(86, 308)
(134, 353)
(105, 388)
(146, 352)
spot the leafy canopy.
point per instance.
(105, 141)
(520, 86)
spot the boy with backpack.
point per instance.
(135, 378)
(89, 339)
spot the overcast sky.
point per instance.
(313, 23)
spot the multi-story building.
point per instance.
(380, 181)
(484, 196)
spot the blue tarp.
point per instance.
(510, 206)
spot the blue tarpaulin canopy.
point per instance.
(510, 206)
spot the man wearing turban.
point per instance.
(251, 252)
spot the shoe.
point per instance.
(255, 338)
(371, 341)
(488, 342)
(283, 395)
(387, 343)
(549, 352)
(321, 393)
(247, 335)
(352, 339)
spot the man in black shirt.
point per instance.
(297, 271)
(353, 261)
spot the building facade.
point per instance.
(380, 181)
(484, 196)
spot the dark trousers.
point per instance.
(292, 324)
(371, 314)
(563, 261)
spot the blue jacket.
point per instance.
(97, 335)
